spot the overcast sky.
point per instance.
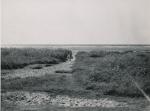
(76, 21)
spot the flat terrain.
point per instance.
(54, 88)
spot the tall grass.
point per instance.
(110, 72)
(12, 58)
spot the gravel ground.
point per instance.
(29, 99)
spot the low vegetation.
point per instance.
(43, 83)
(13, 58)
(113, 72)
(54, 84)
(100, 73)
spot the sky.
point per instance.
(75, 22)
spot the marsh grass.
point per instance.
(13, 58)
(34, 83)
(110, 72)
(54, 84)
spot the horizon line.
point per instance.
(75, 45)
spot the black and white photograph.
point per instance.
(75, 55)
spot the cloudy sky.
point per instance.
(76, 21)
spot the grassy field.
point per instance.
(112, 72)
(95, 74)
(13, 58)
(57, 84)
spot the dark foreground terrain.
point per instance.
(91, 81)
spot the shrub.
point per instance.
(112, 71)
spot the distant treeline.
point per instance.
(13, 58)
(113, 72)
